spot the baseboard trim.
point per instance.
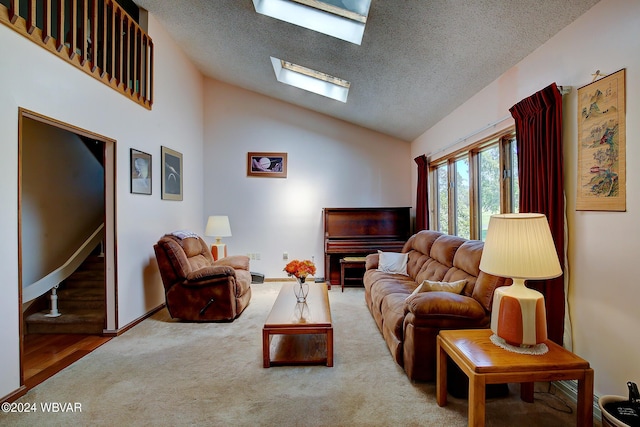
(125, 328)
(570, 389)
(14, 395)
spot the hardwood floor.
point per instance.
(47, 354)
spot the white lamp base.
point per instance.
(518, 315)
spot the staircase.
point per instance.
(81, 302)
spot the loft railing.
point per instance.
(96, 36)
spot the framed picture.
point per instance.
(140, 172)
(171, 174)
(601, 145)
(267, 165)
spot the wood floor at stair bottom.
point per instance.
(47, 354)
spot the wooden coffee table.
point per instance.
(289, 340)
(485, 363)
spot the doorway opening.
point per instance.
(66, 244)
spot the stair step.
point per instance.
(78, 322)
(88, 276)
(81, 302)
(72, 305)
(83, 294)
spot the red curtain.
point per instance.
(538, 120)
(422, 196)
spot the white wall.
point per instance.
(40, 82)
(330, 164)
(602, 246)
(62, 197)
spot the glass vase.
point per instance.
(301, 289)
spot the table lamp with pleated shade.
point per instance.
(218, 227)
(519, 246)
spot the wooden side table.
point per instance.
(349, 263)
(485, 363)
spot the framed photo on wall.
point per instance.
(267, 165)
(171, 174)
(602, 145)
(140, 172)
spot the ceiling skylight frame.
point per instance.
(311, 80)
(318, 16)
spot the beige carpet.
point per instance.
(165, 373)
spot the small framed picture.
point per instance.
(267, 165)
(171, 174)
(140, 172)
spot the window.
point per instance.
(474, 183)
(442, 201)
(462, 217)
(488, 186)
(343, 20)
(310, 80)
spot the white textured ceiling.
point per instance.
(419, 59)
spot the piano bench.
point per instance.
(351, 262)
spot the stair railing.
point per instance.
(96, 36)
(51, 281)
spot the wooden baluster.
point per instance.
(94, 36)
(84, 33)
(105, 24)
(127, 53)
(136, 62)
(31, 16)
(14, 11)
(46, 26)
(112, 71)
(150, 68)
(143, 65)
(120, 49)
(150, 95)
(74, 30)
(60, 38)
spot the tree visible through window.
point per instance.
(489, 183)
(462, 217)
(442, 184)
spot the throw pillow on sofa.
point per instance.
(393, 262)
(430, 286)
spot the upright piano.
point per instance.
(353, 232)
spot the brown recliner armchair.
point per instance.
(197, 288)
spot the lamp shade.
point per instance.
(218, 226)
(519, 246)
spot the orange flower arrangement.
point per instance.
(300, 269)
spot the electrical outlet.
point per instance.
(257, 254)
(285, 255)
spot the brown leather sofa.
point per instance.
(197, 288)
(410, 325)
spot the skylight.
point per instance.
(343, 19)
(310, 80)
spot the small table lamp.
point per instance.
(218, 227)
(519, 246)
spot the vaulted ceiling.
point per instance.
(418, 61)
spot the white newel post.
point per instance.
(54, 303)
